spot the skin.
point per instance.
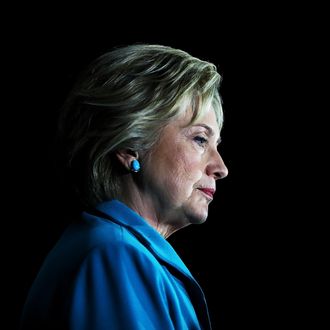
(174, 187)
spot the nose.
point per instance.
(216, 166)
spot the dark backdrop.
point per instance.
(242, 256)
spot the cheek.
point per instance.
(192, 169)
(176, 171)
(188, 170)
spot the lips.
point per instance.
(208, 191)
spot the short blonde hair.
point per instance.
(123, 100)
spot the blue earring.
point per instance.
(135, 165)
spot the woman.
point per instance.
(139, 132)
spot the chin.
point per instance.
(197, 216)
(198, 220)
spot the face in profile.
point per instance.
(182, 169)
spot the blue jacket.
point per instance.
(112, 270)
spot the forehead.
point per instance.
(208, 118)
(183, 126)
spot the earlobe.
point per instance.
(128, 158)
(135, 166)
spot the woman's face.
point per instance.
(182, 168)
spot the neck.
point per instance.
(162, 219)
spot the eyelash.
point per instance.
(200, 140)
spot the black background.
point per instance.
(247, 254)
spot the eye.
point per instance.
(200, 140)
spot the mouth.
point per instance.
(209, 192)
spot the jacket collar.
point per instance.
(118, 212)
(157, 244)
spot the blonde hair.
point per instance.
(123, 100)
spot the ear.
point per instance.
(126, 156)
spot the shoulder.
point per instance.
(103, 234)
(113, 243)
(121, 262)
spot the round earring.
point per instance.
(135, 165)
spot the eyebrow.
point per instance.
(210, 131)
